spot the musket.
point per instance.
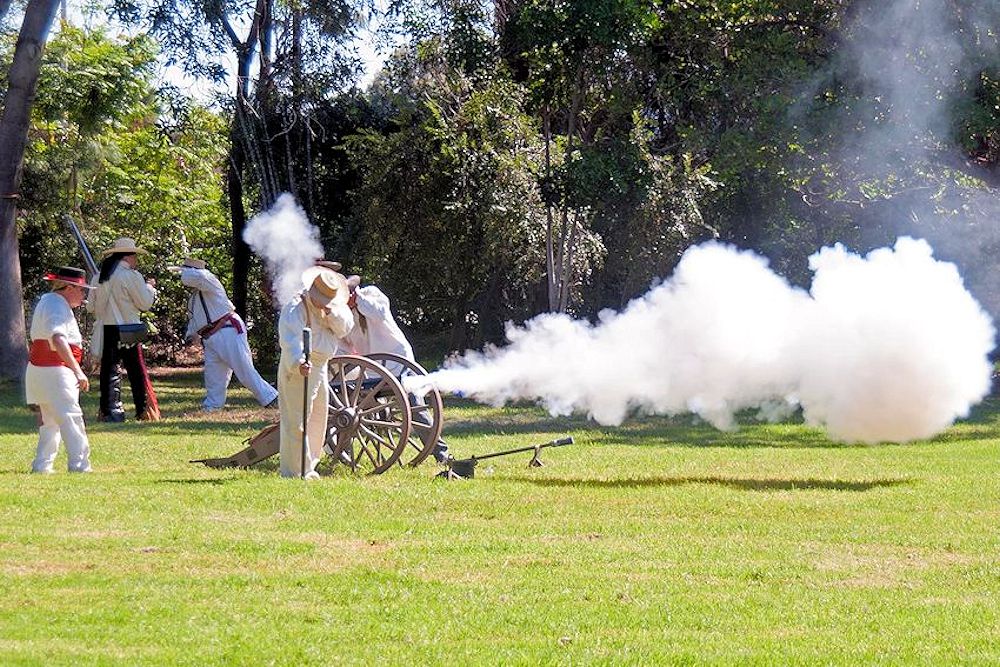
(88, 259)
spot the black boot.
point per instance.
(116, 411)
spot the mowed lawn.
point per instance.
(659, 542)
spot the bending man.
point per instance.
(321, 307)
(213, 318)
(375, 330)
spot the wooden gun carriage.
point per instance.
(373, 423)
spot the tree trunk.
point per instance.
(23, 82)
(241, 251)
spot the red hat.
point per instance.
(69, 275)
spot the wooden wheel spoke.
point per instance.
(384, 424)
(367, 411)
(375, 436)
(358, 386)
(368, 453)
(343, 384)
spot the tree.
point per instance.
(22, 84)
(125, 160)
(296, 49)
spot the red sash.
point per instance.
(41, 354)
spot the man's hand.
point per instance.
(304, 369)
(82, 382)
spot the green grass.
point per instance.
(663, 541)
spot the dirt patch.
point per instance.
(883, 566)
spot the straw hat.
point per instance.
(68, 275)
(194, 263)
(124, 244)
(333, 266)
(325, 286)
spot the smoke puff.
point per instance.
(286, 241)
(890, 347)
(894, 348)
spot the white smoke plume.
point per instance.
(887, 347)
(288, 244)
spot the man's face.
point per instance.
(74, 295)
(131, 260)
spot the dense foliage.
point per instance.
(531, 155)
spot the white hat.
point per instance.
(124, 244)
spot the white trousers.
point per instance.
(226, 352)
(291, 388)
(65, 422)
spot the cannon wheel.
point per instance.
(427, 418)
(369, 423)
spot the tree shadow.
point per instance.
(743, 484)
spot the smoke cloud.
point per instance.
(288, 244)
(885, 347)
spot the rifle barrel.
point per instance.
(88, 259)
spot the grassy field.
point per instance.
(660, 542)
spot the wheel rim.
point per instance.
(370, 420)
(427, 420)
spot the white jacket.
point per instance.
(122, 297)
(207, 286)
(326, 331)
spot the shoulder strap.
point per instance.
(208, 318)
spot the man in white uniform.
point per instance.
(375, 330)
(213, 318)
(321, 307)
(53, 379)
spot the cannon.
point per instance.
(373, 423)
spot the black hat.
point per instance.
(69, 275)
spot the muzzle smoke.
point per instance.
(887, 347)
(288, 244)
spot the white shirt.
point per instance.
(121, 298)
(380, 332)
(326, 331)
(52, 316)
(207, 285)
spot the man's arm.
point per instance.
(141, 292)
(61, 346)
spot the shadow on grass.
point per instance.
(743, 484)
(213, 481)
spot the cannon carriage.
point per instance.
(373, 423)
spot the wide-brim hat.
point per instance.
(69, 275)
(124, 244)
(333, 266)
(194, 263)
(325, 286)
